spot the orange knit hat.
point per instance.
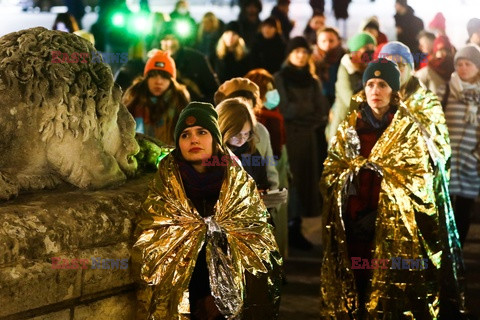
(161, 60)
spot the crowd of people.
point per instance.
(380, 138)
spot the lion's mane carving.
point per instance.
(59, 122)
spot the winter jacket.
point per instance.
(463, 120)
(410, 26)
(326, 67)
(248, 30)
(432, 80)
(229, 67)
(252, 163)
(273, 121)
(349, 82)
(268, 54)
(304, 109)
(156, 116)
(287, 25)
(340, 8)
(195, 72)
(265, 149)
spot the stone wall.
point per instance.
(38, 228)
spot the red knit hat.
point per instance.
(161, 60)
(438, 22)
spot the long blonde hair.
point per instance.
(232, 115)
(239, 50)
(209, 16)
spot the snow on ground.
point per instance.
(457, 13)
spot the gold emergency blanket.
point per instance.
(173, 233)
(414, 218)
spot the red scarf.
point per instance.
(443, 66)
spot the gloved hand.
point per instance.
(274, 198)
(471, 114)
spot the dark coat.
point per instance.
(285, 22)
(250, 162)
(410, 26)
(228, 67)
(128, 72)
(340, 8)
(195, 72)
(304, 109)
(248, 30)
(207, 43)
(267, 53)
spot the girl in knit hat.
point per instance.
(304, 109)
(463, 120)
(381, 212)
(156, 99)
(204, 248)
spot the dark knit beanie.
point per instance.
(383, 69)
(298, 42)
(233, 26)
(470, 52)
(270, 22)
(198, 114)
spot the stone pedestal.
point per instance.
(41, 235)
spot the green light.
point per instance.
(183, 29)
(141, 24)
(118, 19)
(164, 151)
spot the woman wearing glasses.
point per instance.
(237, 125)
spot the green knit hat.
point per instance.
(198, 114)
(383, 69)
(360, 40)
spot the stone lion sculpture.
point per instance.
(60, 121)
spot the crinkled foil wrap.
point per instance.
(171, 234)
(414, 218)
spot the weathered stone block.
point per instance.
(72, 224)
(118, 307)
(60, 315)
(48, 224)
(104, 272)
(32, 285)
